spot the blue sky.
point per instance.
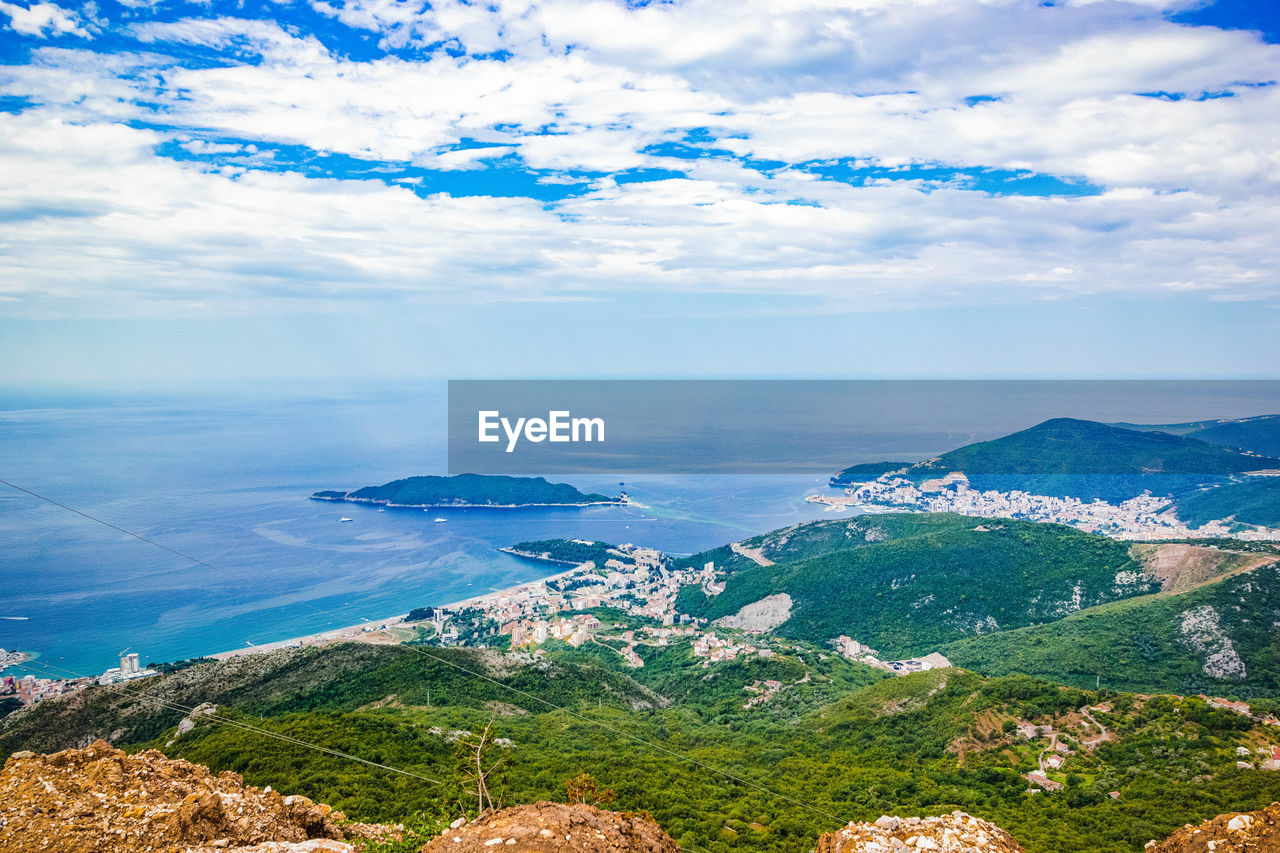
(316, 188)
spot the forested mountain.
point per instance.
(1218, 639)
(905, 583)
(837, 742)
(1259, 434)
(1067, 457)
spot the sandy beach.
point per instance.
(389, 631)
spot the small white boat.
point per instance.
(344, 518)
(439, 520)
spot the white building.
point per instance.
(128, 670)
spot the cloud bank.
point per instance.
(177, 159)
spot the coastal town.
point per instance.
(30, 690)
(12, 658)
(1145, 517)
(625, 602)
(575, 607)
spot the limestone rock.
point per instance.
(554, 827)
(1250, 832)
(952, 833)
(99, 798)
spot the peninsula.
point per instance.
(469, 490)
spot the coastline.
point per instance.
(15, 658)
(528, 555)
(383, 636)
(385, 633)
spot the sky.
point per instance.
(326, 190)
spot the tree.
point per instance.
(478, 766)
(583, 788)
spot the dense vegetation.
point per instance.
(912, 582)
(837, 742)
(866, 472)
(1067, 457)
(1142, 644)
(1256, 500)
(815, 538)
(1084, 459)
(345, 677)
(1259, 434)
(469, 490)
(574, 551)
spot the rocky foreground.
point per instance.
(554, 827)
(96, 799)
(1246, 832)
(99, 799)
(952, 833)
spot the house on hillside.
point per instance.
(1035, 777)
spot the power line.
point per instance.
(455, 665)
(239, 724)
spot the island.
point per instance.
(572, 552)
(469, 490)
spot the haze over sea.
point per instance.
(226, 480)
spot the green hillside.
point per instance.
(1255, 500)
(467, 490)
(815, 538)
(718, 776)
(930, 580)
(1218, 639)
(336, 679)
(866, 472)
(1076, 458)
(1259, 434)
(571, 551)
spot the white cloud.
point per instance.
(43, 19)
(98, 222)
(238, 35)
(97, 226)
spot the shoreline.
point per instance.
(538, 557)
(384, 636)
(16, 658)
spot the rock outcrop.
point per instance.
(99, 798)
(1255, 832)
(554, 827)
(953, 833)
(763, 615)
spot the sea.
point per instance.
(236, 554)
